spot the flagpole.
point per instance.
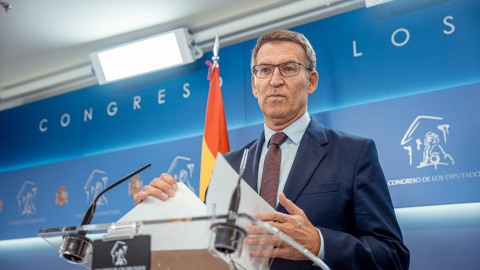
(216, 46)
(215, 136)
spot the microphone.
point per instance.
(228, 234)
(235, 200)
(76, 247)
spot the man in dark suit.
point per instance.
(332, 194)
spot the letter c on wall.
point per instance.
(41, 126)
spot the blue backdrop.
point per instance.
(404, 73)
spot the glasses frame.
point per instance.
(255, 71)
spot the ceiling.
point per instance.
(45, 45)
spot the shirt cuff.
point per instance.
(321, 253)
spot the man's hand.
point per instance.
(162, 188)
(296, 226)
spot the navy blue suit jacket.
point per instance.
(336, 179)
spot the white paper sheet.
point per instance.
(222, 184)
(177, 235)
(184, 204)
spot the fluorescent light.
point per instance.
(141, 57)
(162, 51)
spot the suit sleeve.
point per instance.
(377, 240)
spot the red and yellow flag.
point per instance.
(215, 136)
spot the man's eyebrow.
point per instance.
(288, 61)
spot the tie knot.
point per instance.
(278, 138)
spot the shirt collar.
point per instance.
(294, 131)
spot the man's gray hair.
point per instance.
(278, 36)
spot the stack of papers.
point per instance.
(195, 235)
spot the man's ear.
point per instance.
(254, 87)
(312, 82)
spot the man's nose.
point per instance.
(277, 78)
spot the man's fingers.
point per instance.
(169, 180)
(255, 230)
(155, 192)
(286, 252)
(264, 253)
(165, 182)
(272, 216)
(263, 241)
(273, 252)
(162, 187)
(140, 197)
(291, 208)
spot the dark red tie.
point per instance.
(271, 169)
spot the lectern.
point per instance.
(204, 242)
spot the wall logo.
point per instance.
(425, 141)
(61, 197)
(135, 185)
(182, 170)
(96, 183)
(118, 253)
(26, 198)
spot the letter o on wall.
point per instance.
(65, 120)
(406, 39)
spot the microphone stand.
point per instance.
(228, 234)
(76, 247)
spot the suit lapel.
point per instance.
(250, 175)
(309, 155)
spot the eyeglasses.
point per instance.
(289, 69)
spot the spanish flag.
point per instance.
(215, 136)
